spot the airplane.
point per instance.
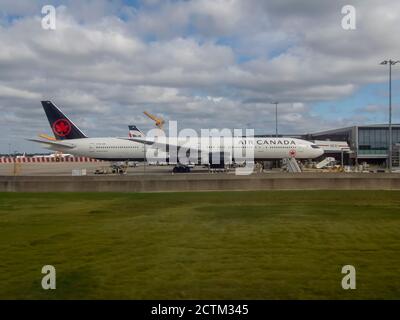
(70, 139)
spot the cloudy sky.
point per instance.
(204, 63)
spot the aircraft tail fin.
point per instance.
(135, 132)
(63, 128)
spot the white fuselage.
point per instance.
(121, 149)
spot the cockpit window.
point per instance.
(314, 146)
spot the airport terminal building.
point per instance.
(368, 143)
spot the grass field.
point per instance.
(230, 245)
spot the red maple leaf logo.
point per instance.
(62, 127)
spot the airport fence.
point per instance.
(45, 159)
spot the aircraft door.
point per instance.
(92, 148)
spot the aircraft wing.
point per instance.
(58, 143)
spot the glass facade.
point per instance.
(375, 140)
(366, 142)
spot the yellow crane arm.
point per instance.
(152, 117)
(159, 121)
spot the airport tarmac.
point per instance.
(66, 168)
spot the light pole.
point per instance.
(276, 117)
(390, 63)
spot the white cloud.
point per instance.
(8, 92)
(204, 63)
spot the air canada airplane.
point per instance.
(70, 139)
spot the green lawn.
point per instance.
(229, 245)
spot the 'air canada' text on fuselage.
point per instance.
(268, 141)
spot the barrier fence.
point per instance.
(46, 159)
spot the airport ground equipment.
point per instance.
(219, 161)
(113, 169)
(325, 162)
(102, 170)
(120, 167)
(181, 169)
(291, 165)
